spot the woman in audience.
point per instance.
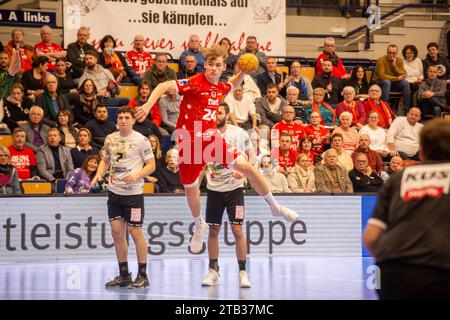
(79, 180)
(83, 148)
(302, 178)
(33, 80)
(349, 133)
(326, 112)
(160, 157)
(377, 135)
(349, 104)
(103, 184)
(358, 80)
(277, 181)
(306, 145)
(65, 81)
(16, 107)
(144, 91)
(116, 62)
(413, 67)
(230, 61)
(68, 132)
(87, 103)
(9, 180)
(320, 135)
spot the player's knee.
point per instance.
(192, 191)
(118, 234)
(135, 232)
(237, 231)
(214, 231)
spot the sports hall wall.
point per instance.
(77, 227)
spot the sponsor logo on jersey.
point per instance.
(427, 181)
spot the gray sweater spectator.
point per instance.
(169, 106)
(432, 94)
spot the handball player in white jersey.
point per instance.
(128, 156)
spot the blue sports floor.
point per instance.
(272, 278)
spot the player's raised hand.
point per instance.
(14, 67)
(141, 114)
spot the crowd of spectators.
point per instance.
(336, 133)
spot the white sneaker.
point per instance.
(211, 279)
(243, 279)
(196, 243)
(287, 213)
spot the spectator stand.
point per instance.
(6, 140)
(36, 187)
(60, 185)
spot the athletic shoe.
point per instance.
(211, 279)
(197, 238)
(119, 281)
(140, 282)
(287, 213)
(243, 279)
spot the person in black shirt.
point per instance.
(168, 176)
(65, 82)
(100, 127)
(76, 51)
(358, 80)
(331, 84)
(408, 233)
(362, 176)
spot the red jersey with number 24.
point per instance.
(200, 101)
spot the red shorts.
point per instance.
(196, 152)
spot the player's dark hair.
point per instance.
(126, 109)
(435, 140)
(225, 106)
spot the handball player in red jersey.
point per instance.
(198, 140)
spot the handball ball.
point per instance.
(248, 62)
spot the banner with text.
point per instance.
(68, 228)
(167, 24)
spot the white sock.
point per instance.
(198, 221)
(271, 200)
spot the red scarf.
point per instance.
(115, 62)
(352, 109)
(315, 108)
(385, 113)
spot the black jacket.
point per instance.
(322, 81)
(43, 103)
(99, 131)
(76, 57)
(364, 183)
(264, 79)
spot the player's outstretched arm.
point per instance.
(236, 80)
(14, 67)
(157, 93)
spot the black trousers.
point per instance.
(403, 281)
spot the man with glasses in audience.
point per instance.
(390, 75)
(76, 51)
